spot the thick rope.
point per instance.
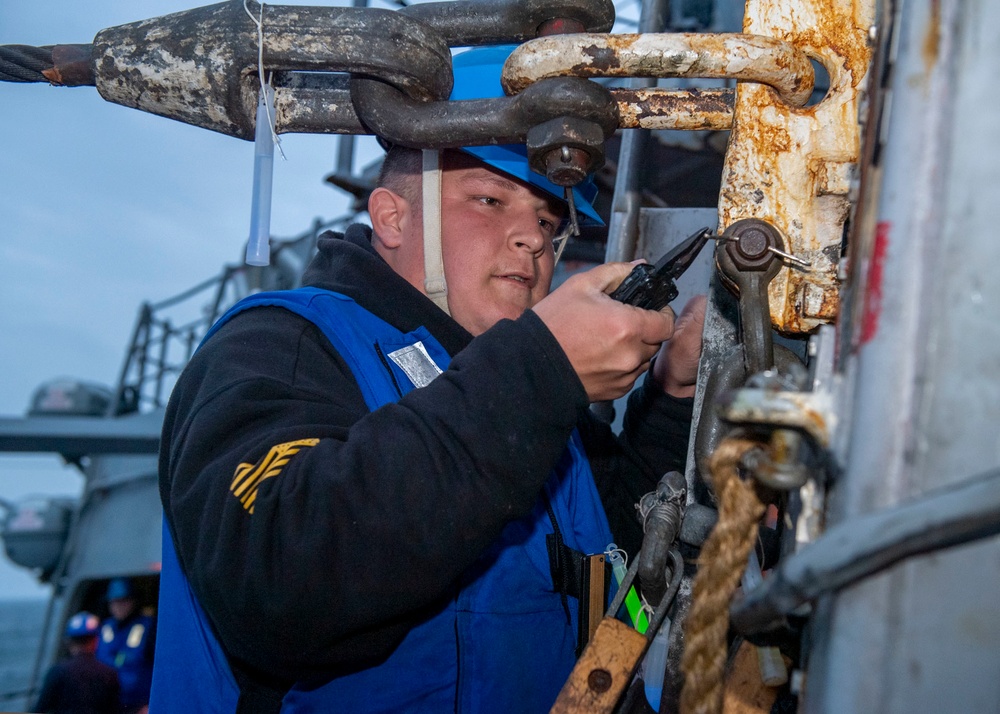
(723, 558)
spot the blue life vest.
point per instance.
(502, 645)
(124, 645)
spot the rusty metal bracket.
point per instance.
(793, 167)
(728, 55)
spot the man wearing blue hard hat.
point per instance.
(80, 684)
(127, 642)
(379, 489)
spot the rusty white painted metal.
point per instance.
(793, 166)
(724, 56)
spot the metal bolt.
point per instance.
(565, 149)
(751, 244)
(599, 680)
(566, 166)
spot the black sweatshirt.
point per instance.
(367, 525)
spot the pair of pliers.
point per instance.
(652, 287)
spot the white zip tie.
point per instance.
(259, 22)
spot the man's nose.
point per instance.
(527, 233)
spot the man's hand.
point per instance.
(676, 367)
(609, 344)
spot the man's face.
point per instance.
(496, 235)
(121, 608)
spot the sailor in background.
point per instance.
(127, 643)
(80, 684)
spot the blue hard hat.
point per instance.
(118, 589)
(83, 624)
(477, 76)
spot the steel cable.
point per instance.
(24, 63)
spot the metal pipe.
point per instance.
(868, 544)
(752, 58)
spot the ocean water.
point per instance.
(20, 632)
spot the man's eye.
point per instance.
(489, 200)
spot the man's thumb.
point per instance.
(609, 276)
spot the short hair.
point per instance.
(400, 173)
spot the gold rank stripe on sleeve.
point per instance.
(248, 477)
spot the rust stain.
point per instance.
(602, 59)
(675, 109)
(817, 425)
(932, 38)
(620, 42)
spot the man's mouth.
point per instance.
(522, 278)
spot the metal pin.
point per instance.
(789, 257)
(573, 222)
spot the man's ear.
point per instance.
(389, 213)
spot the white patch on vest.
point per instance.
(416, 364)
(135, 635)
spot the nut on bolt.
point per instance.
(751, 243)
(566, 149)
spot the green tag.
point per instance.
(635, 611)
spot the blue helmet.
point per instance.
(83, 624)
(477, 76)
(118, 589)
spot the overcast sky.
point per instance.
(103, 207)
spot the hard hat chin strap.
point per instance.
(434, 282)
